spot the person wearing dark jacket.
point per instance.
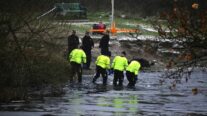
(87, 45)
(73, 41)
(104, 43)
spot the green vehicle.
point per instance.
(70, 10)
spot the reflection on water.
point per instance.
(133, 102)
(147, 98)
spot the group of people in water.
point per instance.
(78, 55)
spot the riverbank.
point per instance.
(42, 63)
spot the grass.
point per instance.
(127, 23)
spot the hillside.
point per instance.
(133, 8)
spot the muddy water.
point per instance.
(147, 98)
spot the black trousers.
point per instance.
(71, 48)
(88, 58)
(105, 50)
(118, 76)
(76, 69)
(100, 71)
(132, 78)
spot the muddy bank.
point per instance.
(137, 49)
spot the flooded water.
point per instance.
(147, 98)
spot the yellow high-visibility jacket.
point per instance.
(103, 61)
(134, 67)
(119, 63)
(78, 56)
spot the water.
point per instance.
(147, 98)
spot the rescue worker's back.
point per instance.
(119, 63)
(134, 67)
(103, 61)
(78, 56)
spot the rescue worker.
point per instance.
(104, 43)
(76, 58)
(102, 64)
(132, 71)
(119, 64)
(87, 44)
(73, 41)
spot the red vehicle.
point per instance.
(99, 28)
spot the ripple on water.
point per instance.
(147, 98)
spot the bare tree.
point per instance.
(186, 29)
(30, 55)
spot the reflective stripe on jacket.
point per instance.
(103, 61)
(78, 56)
(119, 63)
(134, 67)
